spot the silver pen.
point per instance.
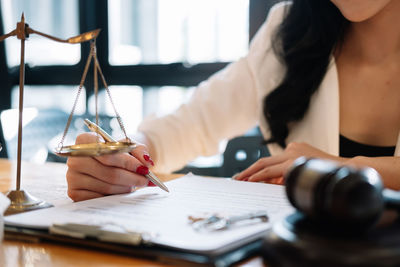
(97, 129)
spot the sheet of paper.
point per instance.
(165, 215)
(37, 181)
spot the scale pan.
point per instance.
(95, 149)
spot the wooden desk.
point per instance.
(47, 182)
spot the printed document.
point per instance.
(163, 216)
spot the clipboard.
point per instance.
(227, 257)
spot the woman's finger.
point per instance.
(89, 183)
(255, 167)
(143, 155)
(268, 173)
(85, 138)
(259, 165)
(124, 161)
(120, 160)
(108, 173)
(279, 181)
(81, 194)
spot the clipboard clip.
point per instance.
(110, 232)
(215, 222)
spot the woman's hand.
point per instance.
(91, 177)
(272, 169)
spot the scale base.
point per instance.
(22, 201)
(296, 241)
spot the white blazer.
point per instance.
(231, 101)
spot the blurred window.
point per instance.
(135, 102)
(54, 17)
(50, 97)
(161, 31)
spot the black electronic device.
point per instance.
(336, 223)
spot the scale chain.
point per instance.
(85, 71)
(119, 119)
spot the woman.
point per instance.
(321, 79)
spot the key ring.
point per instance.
(215, 222)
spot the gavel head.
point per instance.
(338, 195)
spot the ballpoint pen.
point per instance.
(97, 129)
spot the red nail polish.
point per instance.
(151, 184)
(147, 158)
(143, 170)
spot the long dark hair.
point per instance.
(310, 32)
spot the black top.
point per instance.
(349, 148)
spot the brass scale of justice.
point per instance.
(21, 200)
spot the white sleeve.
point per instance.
(224, 106)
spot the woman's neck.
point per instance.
(376, 40)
